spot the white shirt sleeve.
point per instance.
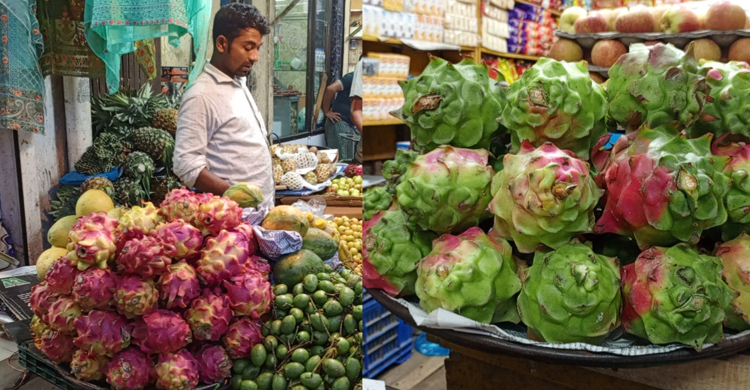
(356, 91)
(191, 139)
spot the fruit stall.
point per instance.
(558, 228)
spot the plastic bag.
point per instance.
(276, 243)
(316, 206)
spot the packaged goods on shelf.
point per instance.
(461, 38)
(381, 91)
(371, 20)
(461, 23)
(455, 7)
(425, 7)
(393, 5)
(493, 12)
(493, 27)
(376, 3)
(494, 43)
(392, 66)
(504, 4)
(429, 28)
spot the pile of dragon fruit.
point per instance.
(515, 205)
(165, 296)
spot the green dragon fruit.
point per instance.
(102, 332)
(186, 238)
(91, 241)
(656, 85)
(62, 314)
(88, 366)
(222, 257)
(214, 364)
(58, 346)
(249, 294)
(726, 110)
(94, 288)
(244, 333)
(571, 295)
(177, 371)
(129, 369)
(737, 199)
(216, 214)
(451, 105)
(137, 223)
(394, 169)
(60, 276)
(446, 190)
(161, 331)
(735, 256)
(663, 189)
(140, 167)
(209, 315)
(556, 102)
(543, 196)
(179, 285)
(392, 252)
(147, 257)
(135, 297)
(472, 274)
(375, 200)
(675, 295)
(182, 204)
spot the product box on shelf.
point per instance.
(429, 28)
(495, 43)
(425, 7)
(461, 23)
(504, 4)
(371, 20)
(493, 12)
(455, 7)
(395, 66)
(376, 3)
(461, 38)
(493, 27)
(393, 5)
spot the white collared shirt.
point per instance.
(219, 127)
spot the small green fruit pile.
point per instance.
(314, 341)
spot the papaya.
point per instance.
(320, 242)
(292, 269)
(245, 194)
(286, 218)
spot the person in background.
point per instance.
(337, 109)
(221, 137)
(356, 107)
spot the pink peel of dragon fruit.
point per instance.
(177, 371)
(181, 204)
(88, 366)
(63, 313)
(60, 276)
(179, 285)
(216, 214)
(146, 257)
(244, 333)
(58, 346)
(91, 241)
(259, 265)
(135, 297)
(94, 288)
(161, 331)
(129, 369)
(246, 229)
(102, 332)
(737, 199)
(41, 300)
(214, 364)
(249, 294)
(209, 315)
(735, 256)
(223, 257)
(186, 238)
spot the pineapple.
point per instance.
(166, 119)
(163, 186)
(98, 183)
(311, 177)
(324, 171)
(157, 143)
(67, 197)
(278, 173)
(128, 192)
(289, 165)
(140, 168)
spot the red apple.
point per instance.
(705, 49)
(566, 50)
(596, 77)
(606, 52)
(613, 18)
(679, 19)
(740, 50)
(637, 20)
(724, 15)
(657, 12)
(592, 23)
(569, 17)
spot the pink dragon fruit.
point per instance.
(146, 257)
(186, 238)
(41, 299)
(181, 204)
(735, 256)
(102, 332)
(94, 288)
(249, 294)
(60, 276)
(179, 285)
(223, 257)
(137, 223)
(58, 346)
(177, 371)
(247, 230)
(129, 369)
(91, 241)
(88, 366)
(216, 214)
(737, 200)
(214, 363)
(209, 315)
(161, 331)
(62, 314)
(259, 265)
(135, 297)
(244, 333)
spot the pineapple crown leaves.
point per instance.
(140, 167)
(65, 205)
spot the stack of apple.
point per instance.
(346, 186)
(671, 19)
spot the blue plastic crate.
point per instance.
(388, 339)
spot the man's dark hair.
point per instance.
(235, 17)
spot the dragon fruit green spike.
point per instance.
(453, 104)
(472, 274)
(60, 276)
(129, 369)
(179, 285)
(37, 326)
(138, 221)
(209, 315)
(663, 188)
(177, 371)
(91, 241)
(62, 314)
(556, 102)
(181, 204)
(58, 346)
(375, 200)
(161, 331)
(102, 332)
(446, 190)
(571, 295)
(244, 333)
(186, 238)
(737, 199)
(543, 196)
(94, 288)
(249, 294)
(216, 214)
(41, 300)
(246, 229)
(147, 257)
(222, 257)
(394, 169)
(675, 295)
(728, 100)
(392, 252)
(735, 256)
(214, 364)
(656, 85)
(135, 297)
(88, 366)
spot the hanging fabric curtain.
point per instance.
(21, 80)
(112, 28)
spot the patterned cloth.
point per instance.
(113, 26)
(21, 80)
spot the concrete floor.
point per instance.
(10, 377)
(420, 372)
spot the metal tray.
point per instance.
(722, 38)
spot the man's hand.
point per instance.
(333, 116)
(209, 182)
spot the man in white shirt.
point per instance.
(221, 138)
